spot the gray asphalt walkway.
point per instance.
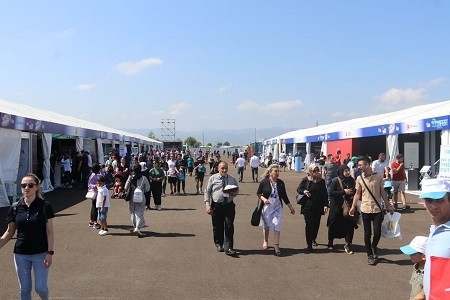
(178, 260)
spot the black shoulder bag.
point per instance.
(301, 200)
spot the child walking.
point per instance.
(103, 204)
(416, 250)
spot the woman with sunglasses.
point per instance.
(315, 203)
(32, 217)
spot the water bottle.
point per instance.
(411, 166)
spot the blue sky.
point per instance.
(224, 64)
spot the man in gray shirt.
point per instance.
(220, 205)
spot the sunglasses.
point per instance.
(29, 185)
(316, 170)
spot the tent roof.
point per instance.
(25, 117)
(414, 119)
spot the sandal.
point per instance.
(277, 250)
(265, 245)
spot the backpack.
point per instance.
(138, 194)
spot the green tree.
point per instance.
(226, 143)
(151, 135)
(219, 144)
(197, 144)
(209, 144)
(191, 142)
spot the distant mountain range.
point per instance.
(236, 137)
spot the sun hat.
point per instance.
(417, 245)
(434, 188)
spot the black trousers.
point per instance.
(312, 224)
(147, 198)
(223, 223)
(369, 219)
(255, 174)
(94, 210)
(156, 189)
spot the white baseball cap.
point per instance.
(417, 245)
(434, 188)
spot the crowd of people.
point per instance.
(356, 182)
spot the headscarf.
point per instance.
(313, 175)
(137, 173)
(341, 170)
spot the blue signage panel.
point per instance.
(438, 123)
(381, 130)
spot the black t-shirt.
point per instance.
(31, 225)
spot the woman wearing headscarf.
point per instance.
(137, 209)
(314, 203)
(272, 192)
(342, 189)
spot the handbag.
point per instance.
(256, 215)
(91, 195)
(301, 200)
(346, 207)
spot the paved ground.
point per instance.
(177, 260)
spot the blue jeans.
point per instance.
(102, 215)
(24, 263)
(241, 173)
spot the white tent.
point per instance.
(17, 119)
(415, 119)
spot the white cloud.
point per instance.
(223, 89)
(273, 107)
(178, 109)
(21, 94)
(158, 112)
(436, 82)
(67, 33)
(395, 96)
(337, 114)
(173, 110)
(86, 87)
(135, 67)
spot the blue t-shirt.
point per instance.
(438, 244)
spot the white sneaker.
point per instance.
(159, 207)
(103, 232)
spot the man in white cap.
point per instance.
(435, 196)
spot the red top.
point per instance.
(400, 175)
